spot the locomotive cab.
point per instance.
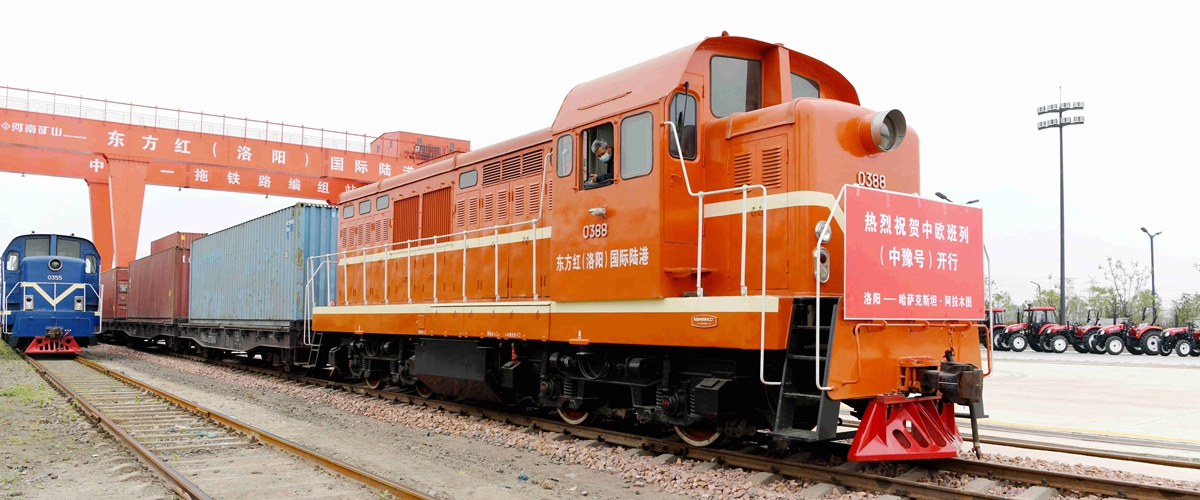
(51, 294)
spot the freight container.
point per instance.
(115, 283)
(254, 273)
(181, 240)
(159, 286)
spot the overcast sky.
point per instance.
(968, 76)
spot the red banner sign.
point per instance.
(909, 257)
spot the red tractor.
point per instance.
(996, 316)
(1016, 337)
(1143, 338)
(1080, 336)
(1184, 341)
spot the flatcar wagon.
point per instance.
(51, 287)
(671, 249)
(240, 289)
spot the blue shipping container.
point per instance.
(255, 273)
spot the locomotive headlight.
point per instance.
(78, 303)
(883, 131)
(55, 264)
(821, 264)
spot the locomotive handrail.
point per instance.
(390, 247)
(991, 317)
(744, 189)
(23, 285)
(824, 232)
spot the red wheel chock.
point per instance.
(43, 345)
(900, 428)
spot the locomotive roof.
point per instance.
(448, 163)
(24, 237)
(630, 88)
(647, 82)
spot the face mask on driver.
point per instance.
(606, 157)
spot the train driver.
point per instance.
(603, 171)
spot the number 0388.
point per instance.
(868, 179)
(595, 231)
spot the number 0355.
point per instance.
(868, 179)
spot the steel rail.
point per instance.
(175, 480)
(800, 470)
(1063, 480)
(337, 466)
(1075, 450)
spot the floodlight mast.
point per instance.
(1059, 123)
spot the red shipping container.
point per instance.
(159, 285)
(116, 292)
(181, 240)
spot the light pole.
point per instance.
(1059, 123)
(1039, 295)
(948, 200)
(1153, 293)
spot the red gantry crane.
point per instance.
(119, 148)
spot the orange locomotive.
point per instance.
(613, 265)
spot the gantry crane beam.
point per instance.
(119, 148)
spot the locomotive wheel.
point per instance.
(1114, 346)
(1059, 344)
(1183, 348)
(1018, 342)
(697, 436)
(574, 417)
(1151, 342)
(423, 390)
(374, 382)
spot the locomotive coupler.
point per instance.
(54, 333)
(959, 383)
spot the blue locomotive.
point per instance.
(51, 287)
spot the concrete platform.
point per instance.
(1126, 403)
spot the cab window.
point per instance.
(637, 145)
(348, 211)
(736, 85)
(11, 261)
(598, 152)
(364, 207)
(382, 202)
(565, 156)
(67, 248)
(803, 87)
(683, 113)
(89, 264)
(37, 247)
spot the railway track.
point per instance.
(985, 476)
(203, 454)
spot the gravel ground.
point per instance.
(432, 450)
(465, 457)
(50, 451)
